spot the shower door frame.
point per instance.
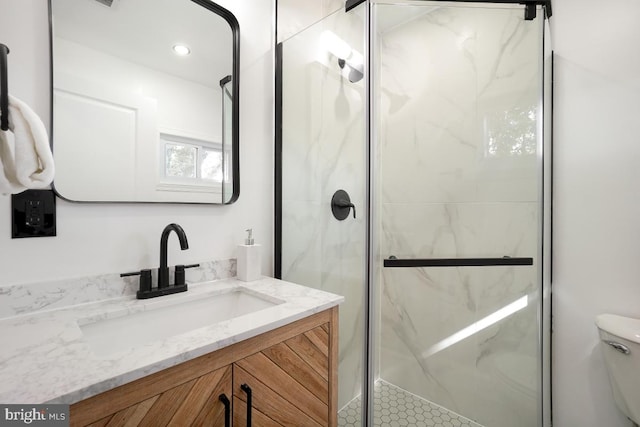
(545, 166)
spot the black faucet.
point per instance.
(179, 285)
(163, 272)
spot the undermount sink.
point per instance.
(125, 330)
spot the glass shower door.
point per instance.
(457, 130)
(323, 151)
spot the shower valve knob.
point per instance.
(341, 205)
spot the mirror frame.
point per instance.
(235, 120)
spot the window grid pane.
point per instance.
(180, 160)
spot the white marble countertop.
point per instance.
(45, 357)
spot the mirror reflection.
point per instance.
(144, 101)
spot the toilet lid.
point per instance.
(623, 327)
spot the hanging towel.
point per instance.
(25, 157)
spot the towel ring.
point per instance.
(4, 88)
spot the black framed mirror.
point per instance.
(145, 101)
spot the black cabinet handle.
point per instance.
(247, 390)
(227, 409)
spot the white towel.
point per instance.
(26, 161)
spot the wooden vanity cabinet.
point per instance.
(290, 374)
(288, 382)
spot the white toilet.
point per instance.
(620, 341)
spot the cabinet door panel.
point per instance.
(192, 403)
(288, 412)
(290, 379)
(283, 356)
(320, 338)
(308, 351)
(130, 416)
(166, 406)
(257, 418)
(202, 405)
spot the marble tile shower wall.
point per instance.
(458, 152)
(323, 151)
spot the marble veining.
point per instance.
(46, 359)
(27, 298)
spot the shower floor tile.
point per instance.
(396, 407)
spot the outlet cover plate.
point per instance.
(33, 214)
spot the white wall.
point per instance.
(597, 197)
(109, 238)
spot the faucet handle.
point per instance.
(179, 278)
(132, 273)
(145, 279)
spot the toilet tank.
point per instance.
(620, 342)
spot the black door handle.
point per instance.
(227, 409)
(341, 204)
(247, 390)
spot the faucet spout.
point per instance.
(163, 271)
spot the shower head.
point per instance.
(355, 73)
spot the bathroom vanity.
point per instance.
(265, 350)
(287, 376)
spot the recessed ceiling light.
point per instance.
(181, 50)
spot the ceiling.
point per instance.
(144, 32)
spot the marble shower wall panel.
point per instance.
(454, 82)
(458, 148)
(427, 103)
(323, 151)
(509, 53)
(441, 230)
(301, 242)
(489, 376)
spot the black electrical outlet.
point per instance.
(33, 214)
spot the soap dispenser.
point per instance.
(249, 262)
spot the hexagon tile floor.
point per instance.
(396, 407)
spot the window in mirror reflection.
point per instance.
(211, 165)
(191, 161)
(180, 160)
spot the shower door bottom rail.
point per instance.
(392, 261)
